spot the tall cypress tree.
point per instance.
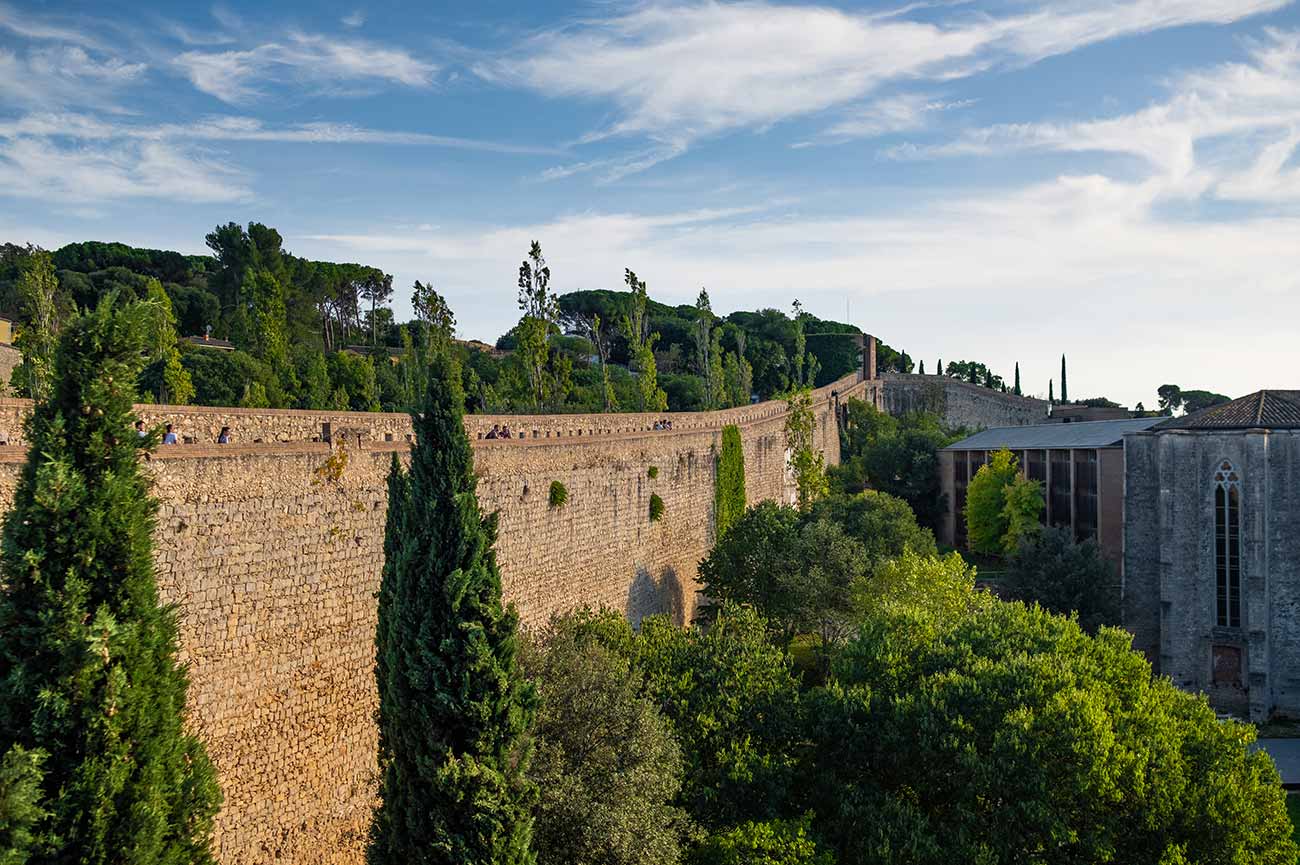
(1051, 399)
(921, 371)
(1065, 391)
(454, 709)
(1016, 391)
(88, 668)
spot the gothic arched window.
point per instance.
(1227, 545)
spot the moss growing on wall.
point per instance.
(729, 489)
(656, 508)
(559, 494)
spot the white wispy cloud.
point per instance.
(1226, 132)
(354, 20)
(62, 75)
(44, 28)
(679, 71)
(237, 76)
(73, 125)
(39, 168)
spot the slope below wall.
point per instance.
(273, 551)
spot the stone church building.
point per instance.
(1212, 551)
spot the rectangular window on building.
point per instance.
(1085, 494)
(1059, 492)
(961, 476)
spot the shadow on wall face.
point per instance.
(649, 596)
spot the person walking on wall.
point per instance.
(169, 437)
(224, 438)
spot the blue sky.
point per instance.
(1002, 181)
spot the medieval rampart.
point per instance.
(959, 403)
(272, 553)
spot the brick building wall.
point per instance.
(272, 553)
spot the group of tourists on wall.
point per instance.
(171, 437)
(500, 431)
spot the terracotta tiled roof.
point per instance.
(1264, 409)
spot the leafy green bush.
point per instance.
(558, 495)
(656, 508)
(772, 842)
(605, 760)
(729, 489)
(652, 472)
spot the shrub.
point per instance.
(656, 508)
(652, 472)
(883, 524)
(729, 489)
(1052, 570)
(558, 495)
(605, 759)
(773, 842)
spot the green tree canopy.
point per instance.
(1066, 577)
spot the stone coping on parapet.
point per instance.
(949, 380)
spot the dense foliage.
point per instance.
(454, 709)
(1002, 506)
(729, 489)
(899, 456)
(91, 691)
(606, 762)
(1064, 576)
(1011, 736)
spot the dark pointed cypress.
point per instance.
(1050, 398)
(454, 709)
(88, 668)
(921, 371)
(1016, 391)
(1065, 391)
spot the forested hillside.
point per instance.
(322, 335)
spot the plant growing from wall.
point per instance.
(558, 495)
(656, 508)
(729, 488)
(89, 674)
(652, 472)
(807, 463)
(454, 709)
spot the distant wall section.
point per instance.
(959, 403)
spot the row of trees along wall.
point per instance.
(273, 551)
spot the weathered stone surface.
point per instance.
(959, 403)
(273, 551)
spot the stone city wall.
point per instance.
(272, 553)
(959, 403)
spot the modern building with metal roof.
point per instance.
(1080, 466)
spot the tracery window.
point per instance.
(1227, 545)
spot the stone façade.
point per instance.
(1170, 582)
(272, 553)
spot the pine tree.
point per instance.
(1065, 393)
(454, 708)
(88, 667)
(1016, 389)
